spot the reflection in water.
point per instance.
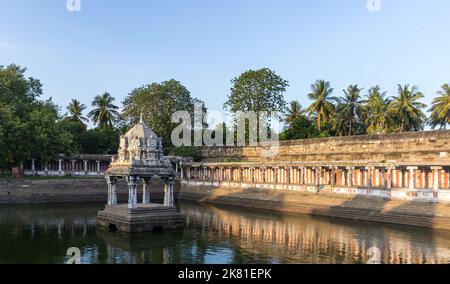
(214, 234)
(305, 239)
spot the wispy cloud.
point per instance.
(5, 44)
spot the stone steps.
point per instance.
(364, 209)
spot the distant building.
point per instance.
(83, 165)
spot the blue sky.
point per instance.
(116, 46)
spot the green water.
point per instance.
(213, 234)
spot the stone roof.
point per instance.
(140, 130)
(141, 154)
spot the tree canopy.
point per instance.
(257, 90)
(157, 103)
(29, 128)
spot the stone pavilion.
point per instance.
(140, 159)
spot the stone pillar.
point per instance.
(369, 171)
(98, 166)
(112, 194)
(60, 170)
(436, 177)
(33, 167)
(383, 177)
(317, 171)
(133, 182)
(333, 177)
(302, 175)
(241, 174)
(388, 181)
(85, 167)
(182, 172)
(168, 193)
(108, 182)
(350, 176)
(146, 191)
(412, 180)
(377, 178)
(423, 178)
(72, 167)
(288, 175)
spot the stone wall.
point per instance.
(416, 147)
(25, 191)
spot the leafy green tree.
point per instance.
(16, 90)
(322, 107)
(406, 110)
(300, 128)
(48, 138)
(440, 109)
(256, 91)
(157, 103)
(105, 112)
(293, 111)
(10, 124)
(100, 141)
(75, 110)
(28, 127)
(77, 129)
(350, 107)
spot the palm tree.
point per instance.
(350, 106)
(339, 121)
(293, 112)
(75, 110)
(375, 108)
(440, 110)
(322, 106)
(104, 112)
(407, 110)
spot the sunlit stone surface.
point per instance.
(140, 160)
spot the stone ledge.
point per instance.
(420, 214)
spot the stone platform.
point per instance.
(144, 218)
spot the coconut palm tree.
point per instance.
(339, 121)
(293, 111)
(350, 107)
(440, 110)
(375, 108)
(322, 107)
(75, 110)
(407, 110)
(104, 112)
